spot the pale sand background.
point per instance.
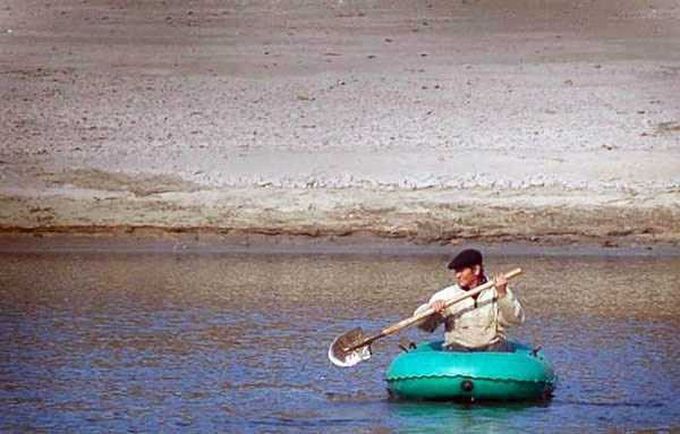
(547, 121)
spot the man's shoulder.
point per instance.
(448, 292)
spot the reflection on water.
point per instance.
(145, 342)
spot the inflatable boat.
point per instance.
(427, 372)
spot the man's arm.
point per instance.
(510, 311)
(430, 323)
(437, 301)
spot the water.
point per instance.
(205, 342)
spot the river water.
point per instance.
(114, 341)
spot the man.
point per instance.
(476, 323)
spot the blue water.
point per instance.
(190, 342)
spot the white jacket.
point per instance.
(471, 323)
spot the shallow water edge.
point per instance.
(153, 240)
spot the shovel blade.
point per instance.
(338, 354)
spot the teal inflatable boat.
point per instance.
(427, 372)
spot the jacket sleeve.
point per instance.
(510, 311)
(430, 323)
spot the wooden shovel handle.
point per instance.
(417, 318)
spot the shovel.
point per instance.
(354, 347)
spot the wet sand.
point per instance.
(160, 241)
(429, 122)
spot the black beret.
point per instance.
(466, 258)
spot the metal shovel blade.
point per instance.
(338, 354)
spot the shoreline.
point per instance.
(158, 241)
(539, 216)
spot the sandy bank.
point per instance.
(549, 122)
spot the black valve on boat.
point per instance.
(467, 385)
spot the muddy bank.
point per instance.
(434, 217)
(207, 241)
(428, 122)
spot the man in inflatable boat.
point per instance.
(476, 323)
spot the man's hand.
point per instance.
(438, 305)
(501, 285)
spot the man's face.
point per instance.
(468, 277)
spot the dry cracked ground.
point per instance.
(434, 121)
